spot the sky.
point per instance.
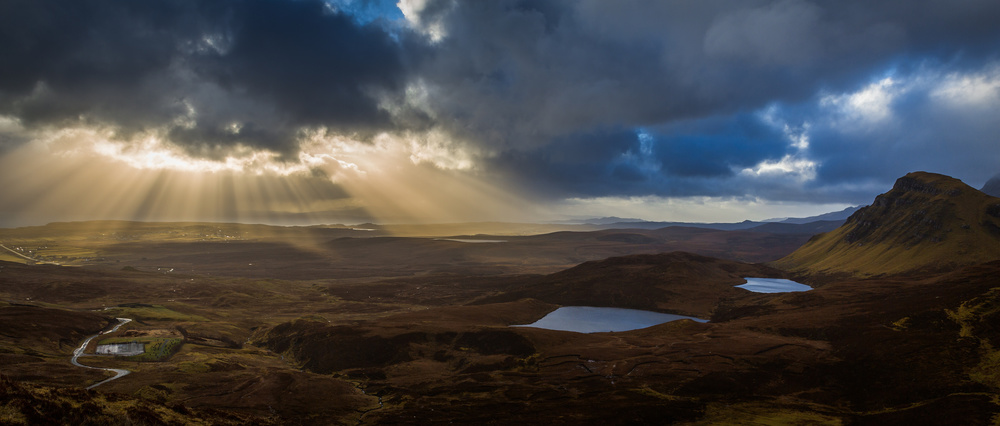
(350, 111)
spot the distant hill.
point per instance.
(812, 228)
(737, 226)
(926, 222)
(992, 186)
(598, 221)
(815, 224)
(841, 216)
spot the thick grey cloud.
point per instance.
(923, 131)
(525, 77)
(563, 66)
(216, 73)
(569, 98)
(580, 63)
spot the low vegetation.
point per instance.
(7, 257)
(324, 327)
(977, 318)
(152, 313)
(32, 404)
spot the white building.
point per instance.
(121, 349)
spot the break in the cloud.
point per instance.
(573, 102)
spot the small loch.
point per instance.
(773, 285)
(590, 319)
(469, 240)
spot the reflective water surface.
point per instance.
(589, 319)
(773, 285)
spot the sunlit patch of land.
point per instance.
(9, 257)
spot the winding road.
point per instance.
(79, 352)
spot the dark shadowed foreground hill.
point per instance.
(677, 282)
(926, 222)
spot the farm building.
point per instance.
(121, 349)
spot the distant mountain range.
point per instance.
(611, 219)
(597, 221)
(927, 222)
(821, 223)
(841, 215)
(992, 186)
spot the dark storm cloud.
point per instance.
(576, 164)
(714, 146)
(525, 77)
(62, 59)
(571, 98)
(198, 68)
(312, 64)
(567, 65)
(683, 159)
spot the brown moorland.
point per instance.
(309, 330)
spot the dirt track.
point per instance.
(119, 373)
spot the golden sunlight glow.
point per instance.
(151, 154)
(85, 174)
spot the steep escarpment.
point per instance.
(926, 222)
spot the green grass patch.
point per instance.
(193, 367)
(988, 370)
(648, 391)
(66, 252)
(975, 317)
(6, 256)
(901, 324)
(763, 414)
(12, 416)
(156, 348)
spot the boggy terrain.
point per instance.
(317, 330)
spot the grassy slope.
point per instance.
(927, 221)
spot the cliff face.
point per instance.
(926, 222)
